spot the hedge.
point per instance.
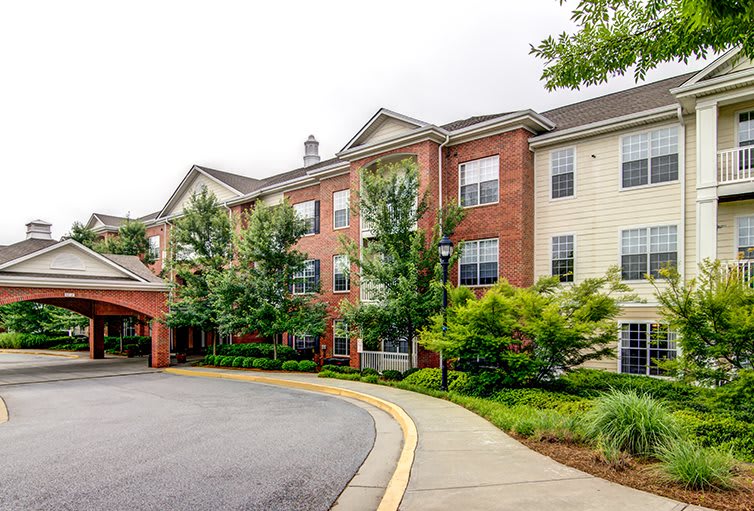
(13, 340)
(256, 350)
(431, 378)
(727, 433)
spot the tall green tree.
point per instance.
(131, 240)
(714, 317)
(83, 234)
(399, 263)
(614, 36)
(38, 318)
(528, 335)
(200, 247)
(255, 294)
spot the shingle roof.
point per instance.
(629, 101)
(150, 216)
(23, 248)
(470, 121)
(241, 183)
(111, 220)
(134, 265)
(295, 173)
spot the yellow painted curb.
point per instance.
(40, 354)
(399, 481)
(3, 411)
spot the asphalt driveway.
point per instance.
(157, 441)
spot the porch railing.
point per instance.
(735, 165)
(383, 361)
(744, 268)
(370, 291)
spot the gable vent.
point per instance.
(67, 262)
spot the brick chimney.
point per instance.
(311, 151)
(38, 230)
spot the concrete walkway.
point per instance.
(464, 462)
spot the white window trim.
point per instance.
(551, 254)
(314, 218)
(348, 209)
(293, 292)
(735, 126)
(498, 265)
(549, 165)
(678, 244)
(681, 158)
(737, 220)
(157, 257)
(333, 275)
(348, 355)
(458, 192)
(642, 322)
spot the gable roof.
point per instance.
(236, 181)
(22, 248)
(217, 176)
(470, 121)
(134, 265)
(382, 115)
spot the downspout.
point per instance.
(682, 269)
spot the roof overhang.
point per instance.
(63, 283)
(378, 117)
(178, 193)
(432, 133)
(524, 119)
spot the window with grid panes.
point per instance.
(341, 339)
(305, 280)
(479, 263)
(647, 250)
(341, 281)
(642, 345)
(304, 342)
(340, 208)
(479, 181)
(745, 237)
(562, 257)
(562, 164)
(650, 157)
(746, 140)
(307, 212)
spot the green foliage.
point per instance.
(340, 376)
(400, 261)
(290, 365)
(248, 362)
(237, 362)
(530, 334)
(737, 397)
(368, 371)
(370, 378)
(543, 400)
(307, 366)
(630, 422)
(327, 374)
(392, 375)
(430, 378)
(82, 234)
(14, 340)
(410, 371)
(224, 361)
(131, 240)
(256, 350)
(714, 430)
(714, 315)
(37, 318)
(131, 347)
(209, 360)
(613, 37)
(695, 467)
(72, 346)
(340, 369)
(267, 364)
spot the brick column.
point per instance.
(97, 337)
(160, 345)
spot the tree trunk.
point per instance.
(275, 346)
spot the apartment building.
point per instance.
(658, 174)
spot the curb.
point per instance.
(39, 353)
(3, 411)
(398, 483)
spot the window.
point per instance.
(479, 181)
(562, 257)
(304, 342)
(561, 170)
(306, 280)
(479, 263)
(647, 250)
(399, 345)
(129, 326)
(650, 157)
(746, 129)
(309, 212)
(340, 208)
(341, 280)
(154, 247)
(746, 237)
(642, 345)
(341, 339)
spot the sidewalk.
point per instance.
(463, 462)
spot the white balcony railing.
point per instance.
(735, 165)
(383, 361)
(370, 291)
(744, 268)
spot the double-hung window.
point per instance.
(647, 250)
(562, 257)
(129, 326)
(340, 210)
(650, 157)
(304, 342)
(479, 263)
(745, 237)
(341, 339)
(746, 140)
(479, 181)
(309, 212)
(306, 280)
(341, 281)
(154, 247)
(562, 166)
(642, 345)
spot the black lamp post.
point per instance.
(445, 249)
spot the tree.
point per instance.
(255, 294)
(200, 247)
(528, 335)
(615, 35)
(714, 317)
(37, 318)
(398, 263)
(83, 234)
(131, 240)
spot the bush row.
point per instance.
(13, 340)
(260, 363)
(256, 350)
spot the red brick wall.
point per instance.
(161, 231)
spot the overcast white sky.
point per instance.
(105, 106)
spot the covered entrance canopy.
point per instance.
(69, 275)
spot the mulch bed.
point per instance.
(643, 475)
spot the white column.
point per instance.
(706, 181)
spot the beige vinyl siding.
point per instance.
(221, 192)
(273, 199)
(43, 263)
(727, 124)
(690, 265)
(387, 129)
(727, 232)
(600, 209)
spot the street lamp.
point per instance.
(445, 249)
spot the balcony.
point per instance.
(370, 291)
(743, 268)
(735, 167)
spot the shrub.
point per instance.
(722, 432)
(326, 374)
(631, 422)
(274, 365)
(256, 350)
(209, 360)
(370, 378)
(430, 378)
(290, 365)
(737, 397)
(543, 400)
(409, 371)
(328, 367)
(226, 361)
(131, 347)
(238, 361)
(693, 466)
(348, 376)
(391, 375)
(14, 340)
(340, 369)
(258, 363)
(248, 362)
(482, 384)
(368, 371)
(307, 366)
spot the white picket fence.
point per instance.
(383, 360)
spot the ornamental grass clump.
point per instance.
(630, 422)
(696, 467)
